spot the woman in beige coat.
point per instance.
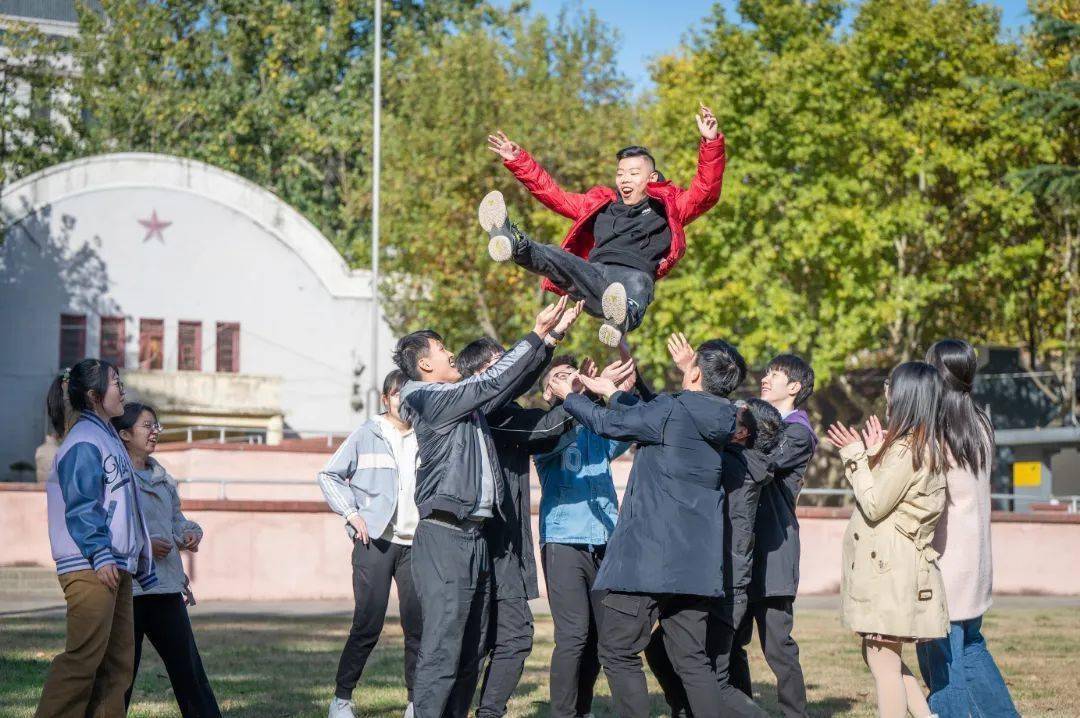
(892, 592)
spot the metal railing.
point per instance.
(1072, 503)
(245, 434)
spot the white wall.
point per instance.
(232, 252)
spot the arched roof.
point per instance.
(148, 170)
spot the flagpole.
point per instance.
(376, 148)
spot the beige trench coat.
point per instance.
(891, 583)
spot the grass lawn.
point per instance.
(267, 666)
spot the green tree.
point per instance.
(553, 88)
(865, 206)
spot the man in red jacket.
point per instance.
(622, 239)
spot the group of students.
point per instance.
(704, 547)
(435, 496)
(116, 529)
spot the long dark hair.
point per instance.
(915, 390)
(76, 383)
(962, 425)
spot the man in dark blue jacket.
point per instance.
(664, 561)
(459, 488)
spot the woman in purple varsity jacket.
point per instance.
(99, 543)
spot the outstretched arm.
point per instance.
(540, 184)
(643, 423)
(704, 191)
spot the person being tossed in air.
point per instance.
(622, 239)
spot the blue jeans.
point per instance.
(962, 676)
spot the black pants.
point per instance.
(775, 618)
(511, 629)
(584, 280)
(374, 566)
(569, 572)
(451, 570)
(626, 623)
(163, 618)
(724, 618)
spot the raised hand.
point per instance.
(600, 385)
(501, 145)
(706, 123)
(872, 433)
(569, 317)
(588, 367)
(549, 316)
(841, 436)
(622, 373)
(562, 384)
(681, 352)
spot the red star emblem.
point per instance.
(154, 227)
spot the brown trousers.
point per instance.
(89, 678)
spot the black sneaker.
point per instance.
(505, 237)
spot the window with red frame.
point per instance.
(72, 339)
(112, 341)
(151, 343)
(228, 347)
(189, 354)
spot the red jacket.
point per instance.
(682, 205)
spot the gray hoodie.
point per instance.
(164, 519)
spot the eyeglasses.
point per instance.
(119, 385)
(154, 428)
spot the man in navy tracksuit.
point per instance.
(664, 562)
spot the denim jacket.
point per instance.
(578, 504)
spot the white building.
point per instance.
(221, 303)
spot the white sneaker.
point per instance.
(614, 304)
(408, 711)
(341, 708)
(610, 335)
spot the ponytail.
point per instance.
(56, 405)
(961, 424)
(70, 392)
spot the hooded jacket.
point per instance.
(449, 421)
(669, 538)
(777, 549)
(682, 206)
(164, 519)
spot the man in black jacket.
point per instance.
(518, 433)
(748, 469)
(664, 561)
(787, 384)
(459, 487)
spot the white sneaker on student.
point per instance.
(340, 708)
(408, 711)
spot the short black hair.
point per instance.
(768, 425)
(393, 382)
(635, 151)
(795, 368)
(723, 368)
(476, 354)
(411, 348)
(131, 414)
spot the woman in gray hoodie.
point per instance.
(161, 612)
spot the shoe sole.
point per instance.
(609, 335)
(500, 248)
(492, 211)
(614, 304)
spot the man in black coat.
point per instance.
(518, 433)
(748, 470)
(664, 561)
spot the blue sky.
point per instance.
(649, 28)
